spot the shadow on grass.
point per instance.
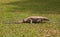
(35, 6)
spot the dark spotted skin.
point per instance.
(31, 20)
(35, 20)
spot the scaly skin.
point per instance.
(31, 19)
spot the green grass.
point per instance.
(13, 10)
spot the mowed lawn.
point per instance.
(14, 10)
